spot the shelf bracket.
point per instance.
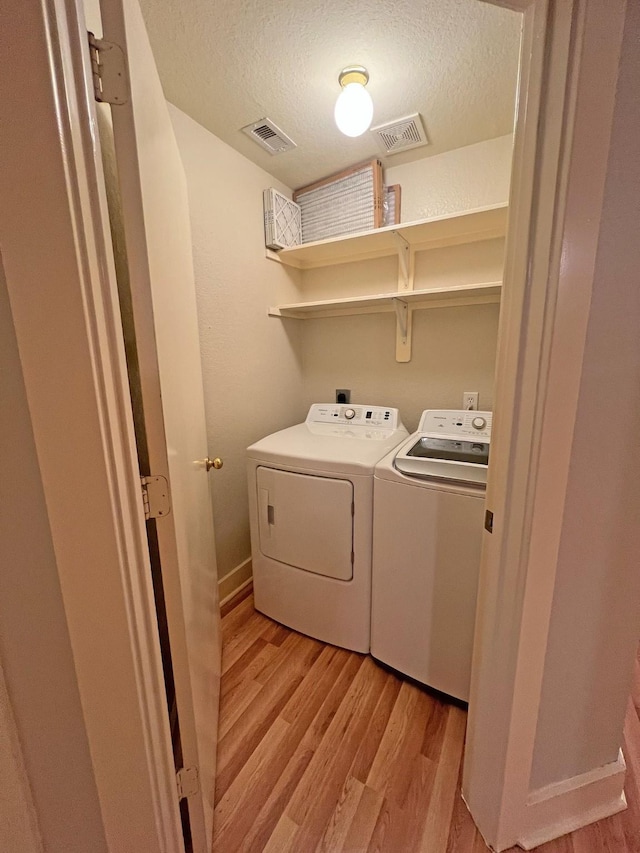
(404, 317)
(404, 262)
(402, 314)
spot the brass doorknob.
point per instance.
(216, 463)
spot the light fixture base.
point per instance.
(353, 74)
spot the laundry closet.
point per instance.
(405, 317)
(276, 336)
(261, 373)
(267, 355)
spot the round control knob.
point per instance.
(478, 423)
(349, 414)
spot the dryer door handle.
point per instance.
(267, 512)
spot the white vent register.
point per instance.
(401, 134)
(269, 136)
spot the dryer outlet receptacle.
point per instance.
(343, 395)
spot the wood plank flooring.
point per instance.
(322, 750)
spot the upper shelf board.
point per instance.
(483, 223)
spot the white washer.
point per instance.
(310, 503)
(428, 520)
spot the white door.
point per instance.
(170, 416)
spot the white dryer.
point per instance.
(428, 521)
(311, 512)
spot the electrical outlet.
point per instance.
(343, 395)
(470, 400)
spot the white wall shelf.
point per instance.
(440, 297)
(402, 241)
(483, 223)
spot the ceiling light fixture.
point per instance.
(354, 107)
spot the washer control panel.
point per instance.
(454, 423)
(374, 417)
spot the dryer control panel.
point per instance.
(354, 414)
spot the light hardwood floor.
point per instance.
(322, 750)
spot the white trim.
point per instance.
(235, 581)
(556, 809)
(66, 315)
(519, 363)
(540, 351)
(162, 319)
(236, 591)
(92, 218)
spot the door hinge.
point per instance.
(188, 782)
(155, 496)
(109, 68)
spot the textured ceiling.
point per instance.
(228, 63)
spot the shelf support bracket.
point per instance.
(405, 263)
(404, 318)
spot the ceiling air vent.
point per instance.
(400, 135)
(269, 136)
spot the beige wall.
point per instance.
(251, 363)
(468, 177)
(35, 651)
(453, 348)
(453, 351)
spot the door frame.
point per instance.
(63, 298)
(543, 322)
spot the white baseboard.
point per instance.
(234, 581)
(563, 807)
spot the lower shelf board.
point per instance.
(439, 297)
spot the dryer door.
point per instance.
(306, 521)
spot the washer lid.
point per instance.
(349, 449)
(449, 449)
(386, 470)
(442, 469)
(450, 445)
(437, 459)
